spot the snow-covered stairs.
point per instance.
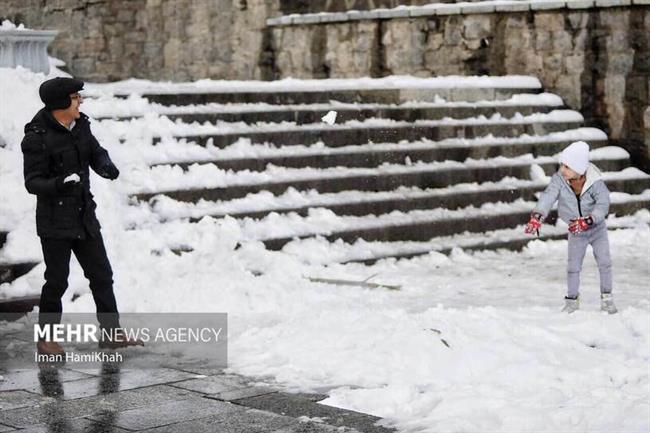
(400, 165)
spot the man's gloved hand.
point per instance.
(67, 182)
(580, 225)
(534, 224)
(109, 171)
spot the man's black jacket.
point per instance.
(50, 153)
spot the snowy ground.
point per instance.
(471, 342)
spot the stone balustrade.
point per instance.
(27, 48)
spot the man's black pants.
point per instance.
(91, 255)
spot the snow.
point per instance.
(179, 150)
(455, 8)
(137, 86)
(330, 117)
(152, 126)
(8, 25)
(135, 105)
(511, 362)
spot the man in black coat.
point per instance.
(58, 149)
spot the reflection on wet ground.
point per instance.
(189, 397)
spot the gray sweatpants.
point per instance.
(597, 238)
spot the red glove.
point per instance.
(580, 225)
(534, 223)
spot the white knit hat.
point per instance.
(576, 157)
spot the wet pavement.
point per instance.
(113, 397)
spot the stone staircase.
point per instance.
(404, 170)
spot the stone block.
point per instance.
(213, 384)
(513, 6)
(553, 62)
(543, 40)
(296, 406)
(453, 33)
(641, 2)
(612, 3)
(562, 41)
(101, 404)
(335, 17)
(394, 13)
(575, 64)
(246, 421)
(578, 20)
(477, 26)
(424, 11)
(366, 15)
(170, 412)
(621, 64)
(448, 9)
(580, 4)
(18, 399)
(477, 8)
(549, 21)
(308, 19)
(241, 393)
(28, 379)
(547, 5)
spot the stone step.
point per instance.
(305, 115)
(349, 96)
(511, 244)
(11, 271)
(344, 135)
(435, 199)
(14, 308)
(500, 239)
(435, 177)
(426, 230)
(374, 155)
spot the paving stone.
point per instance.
(6, 428)
(105, 405)
(201, 371)
(76, 425)
(241, 393)
(111, 382)
(296, 406)
(28, 379)
(214, 384)
(242, 421)
(17, 399)
(170, 412)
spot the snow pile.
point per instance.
(8, 25)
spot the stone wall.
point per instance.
(598, 60)
(107, 40)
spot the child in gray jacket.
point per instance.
(583, 203)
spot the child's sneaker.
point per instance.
(571, 304)
(607, 303)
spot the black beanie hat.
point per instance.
(55, 93)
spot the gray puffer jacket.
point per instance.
(594, 199)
